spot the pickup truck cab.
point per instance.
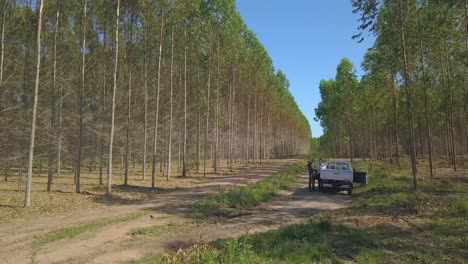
(340, 176)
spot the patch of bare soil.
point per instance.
(119, 243)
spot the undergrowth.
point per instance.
(387, 223)
(241, 197)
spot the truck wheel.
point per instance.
(350, 191)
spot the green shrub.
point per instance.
(461, 208)
(241, 197)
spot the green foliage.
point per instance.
(460, 207)
(422, 41)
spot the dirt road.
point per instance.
(171, 230)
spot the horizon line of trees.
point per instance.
(413, 97)
(95, 83)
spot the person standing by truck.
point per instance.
(317, 175)
(311, 173)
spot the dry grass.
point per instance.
(63, 199)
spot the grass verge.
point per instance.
(242, 197)
(388, 223)
(74, 231)
(158, 230)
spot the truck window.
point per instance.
(331, 166)
(343, 166)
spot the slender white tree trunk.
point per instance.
(82, 87)
(2, 50)
(129, 102)
(215, 167)
(53, 106)
(184, 150)
(114, 91)
(198, 120)
(155, 147)
(145, 125)
(207, 114)
(169, 153)
(27, 201)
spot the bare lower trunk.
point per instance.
(215, 159)
(129, 103)
(81, 101)
(198, 122)
(207, 115)
(27, 201)
(450, 110)
(145, 124)
(184, 149)
(169, 152)
(53, 108)
(155, 145)
(426, 111)
(2, 49)
(114, 92)
(408, 95)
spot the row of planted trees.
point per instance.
(413, 98)
(92, 83)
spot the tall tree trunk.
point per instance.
(465, 74)
(450, 109)
(81, 100)
(169, 152)
(248, 130)
(396, 131)
(27, 201)
(114, 93)
(145, 87)
(60, 119)
(2, 49)
(230, 134)
(207, 113)
(254, 145)
(155, 142)
(129, 101)
(409, 111)
(215, 160)
(104, 101)
(426, 108)
(184, 149)
(53, 107)
(2, 55)
(198, 120)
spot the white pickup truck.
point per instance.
(340, 176)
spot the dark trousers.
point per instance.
(313, 175)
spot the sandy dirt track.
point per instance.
(117, 243)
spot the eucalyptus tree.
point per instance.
(419, 53)
(27, 201)
(2, 47)
(81, 97)
(193, 91)
(114, 92)
(155, 138)
(53, 109)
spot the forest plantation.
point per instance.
(165, 131)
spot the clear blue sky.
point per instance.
(306, 39)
